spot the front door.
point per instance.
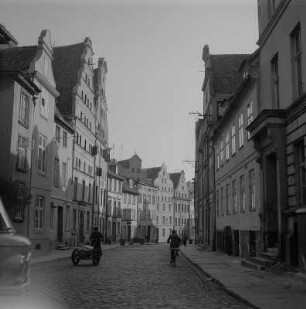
(59, 224)
(271, 209)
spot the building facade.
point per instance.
(164, 202)
(181, 204)
(278, 130)
(237, 174)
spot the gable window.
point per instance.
(39, 212)
(240, 132)
(233, 139)
(249, 116)
(227, 147)
(252, 189)
(296, 50)
(24, 109)
(22, 153)
(275, 82)
(57, 134)
(41, 162)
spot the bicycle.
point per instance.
(174, 254)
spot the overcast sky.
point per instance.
(153, 51)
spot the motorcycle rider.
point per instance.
(175, 242)
(96, 238)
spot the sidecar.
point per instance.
(86, 253)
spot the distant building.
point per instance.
(73, 71)
(63, 218)
(164, 203)
(181, 204)
(113, 228)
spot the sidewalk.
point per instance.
(261, 289)
(63, 254)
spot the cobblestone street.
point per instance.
(128, 277)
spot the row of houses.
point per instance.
(57, 179)
(250, 142)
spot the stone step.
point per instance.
(249, 264)
(260, 261)
(269, 256)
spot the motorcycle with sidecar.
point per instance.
(86, 252)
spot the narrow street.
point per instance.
(128, 277)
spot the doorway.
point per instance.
(59, 224)
(271, 209)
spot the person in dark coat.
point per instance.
(96, 238)
(174, 241)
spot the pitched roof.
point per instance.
(175, 177)
(17, 58)
(225, 73)
(151, 173)
(6, 36)
(66, 65)
(124, 163)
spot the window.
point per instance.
(164, 207)
(218, 160)
(296, 49)
(44, 108)
(249, 116)
(41, 162)
(300, 172)
(19, 209)
(227, 147)
(252, 189)
(74, 220)
(221, 202)
(227, 199)
(240, 132)
(242, 193)
(221, 152)
(164, 220)
(233, 139)
(271, 7)
(56, 173)
(88, 220)
(57, 134)
(39, 212)
(64, 139)
(234, 195)
(275, 82)
(67, 221)
(218, 202)
(22, 153)
(163, 232)
(52, 216)
(83, 190)
(89, 193)
(75, 188)
(24, 109)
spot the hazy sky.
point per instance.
(153, 51)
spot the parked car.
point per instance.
(15, 255)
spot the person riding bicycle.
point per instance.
(175, 242)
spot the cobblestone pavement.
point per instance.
(128, 277)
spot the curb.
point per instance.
(219, 283)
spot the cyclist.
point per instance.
(175, 242)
